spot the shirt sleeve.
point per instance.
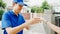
(23, 19)
(6, 21)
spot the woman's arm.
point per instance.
(53, 27)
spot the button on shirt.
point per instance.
(10, 19)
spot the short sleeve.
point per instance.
(6, 21)
(23, 20)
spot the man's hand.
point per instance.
(35, 20)
(31, 22)
(27, 28)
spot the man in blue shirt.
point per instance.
(13, 22)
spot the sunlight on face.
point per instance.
(18, 8)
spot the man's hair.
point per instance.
(15, 2)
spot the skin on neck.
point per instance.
(15, 12)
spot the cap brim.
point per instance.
(14, 0)
(20, 3)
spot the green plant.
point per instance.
(2, 4)
(40, 10)
(37, 9)
(1, 13)
(45, 5)
(34, 9)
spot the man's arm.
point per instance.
(27, 28)
(53, 27)
(17, 29)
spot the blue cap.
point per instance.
(14, 0)
(20, 2)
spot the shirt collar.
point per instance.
(12, 11)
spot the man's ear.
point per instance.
(14, 3)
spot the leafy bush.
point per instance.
(44, 5)
(40, 10)
(34, 9)
(37, 9)
(1, 13)
(2, 4)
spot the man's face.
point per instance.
(17, 8)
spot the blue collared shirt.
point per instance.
(10, 19)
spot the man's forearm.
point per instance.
(16, 29)
(19, 28)
(53, 27)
